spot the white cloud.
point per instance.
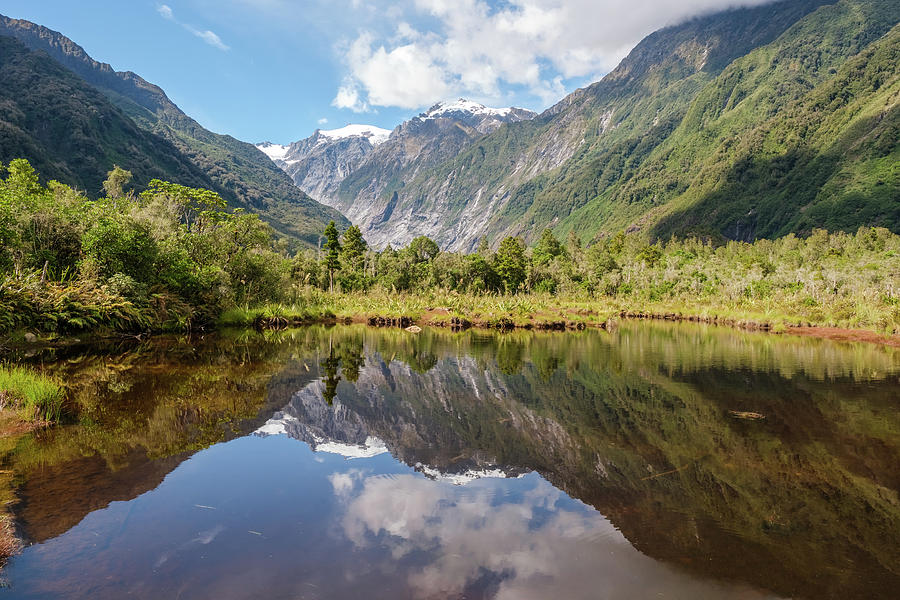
(445, 48)
(165, 11)
(348, 97)
(322, 121)
(403, 76)
(210, 37)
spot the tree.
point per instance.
(354, 248)
(511, 262)
(332, 378)
(573, 245)
(114, 186)
(547, 248)
(353, 260)
(423, 249)
(353, 251)
(332, 253)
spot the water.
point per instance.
(351, 462)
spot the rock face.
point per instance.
(725, 125)
(320, 162)
(357, 169)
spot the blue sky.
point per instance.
(278, 69)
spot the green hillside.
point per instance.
(749, 123)
(242, 174)
(809, 119)
(71, 132)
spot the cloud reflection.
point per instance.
(532, 543)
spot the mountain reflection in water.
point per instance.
(468, 465)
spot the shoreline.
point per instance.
(442, 318)
(439, 318)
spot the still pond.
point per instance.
(657, 461)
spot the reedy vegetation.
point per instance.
(838, 279)
(34, 395)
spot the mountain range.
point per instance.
(74, 118)
(357, 168)
(744, 124)
(753, 122)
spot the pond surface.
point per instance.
(350, 462)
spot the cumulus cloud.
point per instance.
(445, 48)
(348, 96)
(210, 37)
(323, 121)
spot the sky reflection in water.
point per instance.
(266, 515)
(368, 464)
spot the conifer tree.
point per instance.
(332, 253)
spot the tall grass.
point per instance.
(34, 395)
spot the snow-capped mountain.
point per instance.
(353, 426)
(483, 118)
(357, 168)
(319, 162)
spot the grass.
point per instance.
(297, 313)
(539, 311)
(34, 395)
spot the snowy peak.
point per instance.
(274, 151)
(375, 135)
(465, 107)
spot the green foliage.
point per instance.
(840, 279)
(422, 249)
(170, 258)
(35, 395)
(332, 252)
(353, 260)
(547, 248)
(115, 183)
(75, 126)
(511, 263)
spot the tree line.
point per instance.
(174, 257)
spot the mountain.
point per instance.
(71, 132)
(753, 122)
(170, 144)
(318, 163)
(358, 168)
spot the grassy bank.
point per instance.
(31, 395)
(546, 311)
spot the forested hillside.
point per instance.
(744, 124)
(244, 176)
(71, 132)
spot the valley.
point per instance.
(422, 341)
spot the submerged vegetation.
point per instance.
(172, 258)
